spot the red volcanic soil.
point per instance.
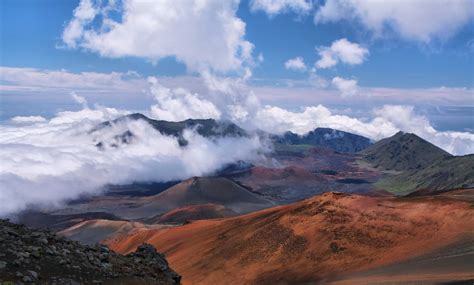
(318, 239)
(194, 212)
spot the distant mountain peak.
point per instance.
(336, 140)
(403, 151)
(204, 127)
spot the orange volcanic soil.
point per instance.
(193, 212)
(321, 238)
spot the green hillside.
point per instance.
(403, 152)
(450, 173)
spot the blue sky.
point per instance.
(409, 64)
(31, 34)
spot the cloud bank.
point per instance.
(45, 163)
(384, 122)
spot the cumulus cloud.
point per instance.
(179, 104)
(385, 122)
(341, 51)
(296, 64)
(84, 13)
(347, 87)
(233, 97)
(201, 34)
(47, 163)
(440, 19)
(274, 7)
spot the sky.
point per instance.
(369, 67)
(350, 56)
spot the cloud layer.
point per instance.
(384, 122)
(47, 163)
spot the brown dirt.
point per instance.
(317, 239)
(94, 231)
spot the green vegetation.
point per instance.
(403, 152)
(411, 164)
(295, 149)
(450, 173)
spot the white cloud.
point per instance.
(341, 51)
(28, 119)
(274, 7)
(233, 97)
(24, 78)
(347, 87)
(385, 122)
(201, 34)
(83, 15)
(420, 20)
(179, 104)
(49, 88)
(296, 63)
(79, 99)
(278, 120)
(47, 163)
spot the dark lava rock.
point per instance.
(40, 257)
(336, 140)
(335, 247)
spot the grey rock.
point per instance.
(43, 241)
(33, 274)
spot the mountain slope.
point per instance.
(194, 212)
(96, 230)
(204, 190)
(452, 172)
(205, 127)
(402, 152)
(309, 241)
(325, 137)
(41, 257)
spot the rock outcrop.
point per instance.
(39, 256)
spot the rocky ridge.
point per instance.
(41, 257)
